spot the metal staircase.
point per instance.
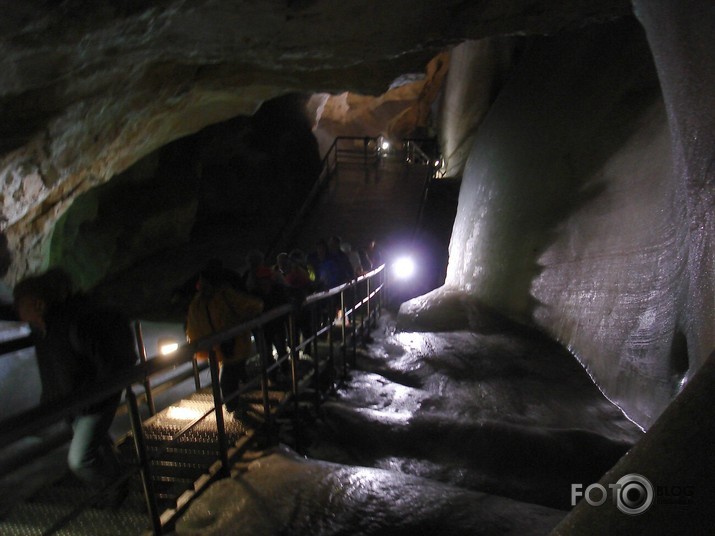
(367, 189)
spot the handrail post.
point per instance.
(365, 142)
(143, 459)
(316, 356)
(335, 157)
(143, 358)
(331, 351)
(353, 324)
(385, 280)
(197, 376)
(369, 310)
(263, 350)
(218, 409)
(386, 292)
(344, 342)
(294, 338)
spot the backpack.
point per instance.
(104, 336)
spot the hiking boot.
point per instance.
(113, 498)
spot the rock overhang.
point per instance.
(89, 88)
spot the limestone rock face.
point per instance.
(88, 88)
(397, 113)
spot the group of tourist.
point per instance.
(224, 298)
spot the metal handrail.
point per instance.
(430, 159)
(367, 304)
(13, 345)
(27, 422)
(24, 423)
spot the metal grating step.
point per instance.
(177, 469)
(194, 453)
(35, 519)
(38, 514)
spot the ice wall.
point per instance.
(476, 72)
(572, 215)
(681, 36)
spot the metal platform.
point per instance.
(178, 472)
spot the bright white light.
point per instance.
(182, 414)
(168, 347)
(437, 163)
(385, 145)
(403, 268)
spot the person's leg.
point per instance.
(91, 457)
(276, 335)
(232, 373)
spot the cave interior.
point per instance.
(139, 141)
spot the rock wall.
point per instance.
(150, 207)
(572, 215)
(229, 188)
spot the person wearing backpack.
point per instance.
(217, 306)
(78, 345)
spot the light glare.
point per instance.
(404, 267)
(166, 348)
(182, 414)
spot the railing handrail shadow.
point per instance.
(40, 417)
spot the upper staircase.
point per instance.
(369, 190)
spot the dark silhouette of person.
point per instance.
(374, 254)
(344, 267)
(79, 344)
(7, 312)
(182, 295)
(272, 290)
(5, 256)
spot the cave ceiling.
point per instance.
(89, 87)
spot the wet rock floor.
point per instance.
(432, 433)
